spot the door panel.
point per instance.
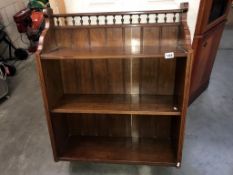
(211, 13)
(212, 17)
(204, 57)
(218, 9)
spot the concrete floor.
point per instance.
(208, 149)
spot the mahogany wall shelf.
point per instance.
(109, 92)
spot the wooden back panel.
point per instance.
(121, 76)
(111, 126)
(137, 76)
(158, 37)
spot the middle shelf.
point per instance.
(114, 52)
(118, 104)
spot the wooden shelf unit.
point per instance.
(109, 92)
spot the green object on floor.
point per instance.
(38, 4)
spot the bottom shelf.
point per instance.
(120, 150)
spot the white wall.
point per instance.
(192, 15)
(75, 6)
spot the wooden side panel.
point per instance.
(50, 42)
(52, 83)
(61, 131)
(180, 82)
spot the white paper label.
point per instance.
(169, 55)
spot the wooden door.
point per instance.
(211, 21)
(205, 57)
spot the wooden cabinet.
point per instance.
(207, 47)
(211, 21)
(110, 93)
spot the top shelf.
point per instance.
(115, 35)
(113, 52)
